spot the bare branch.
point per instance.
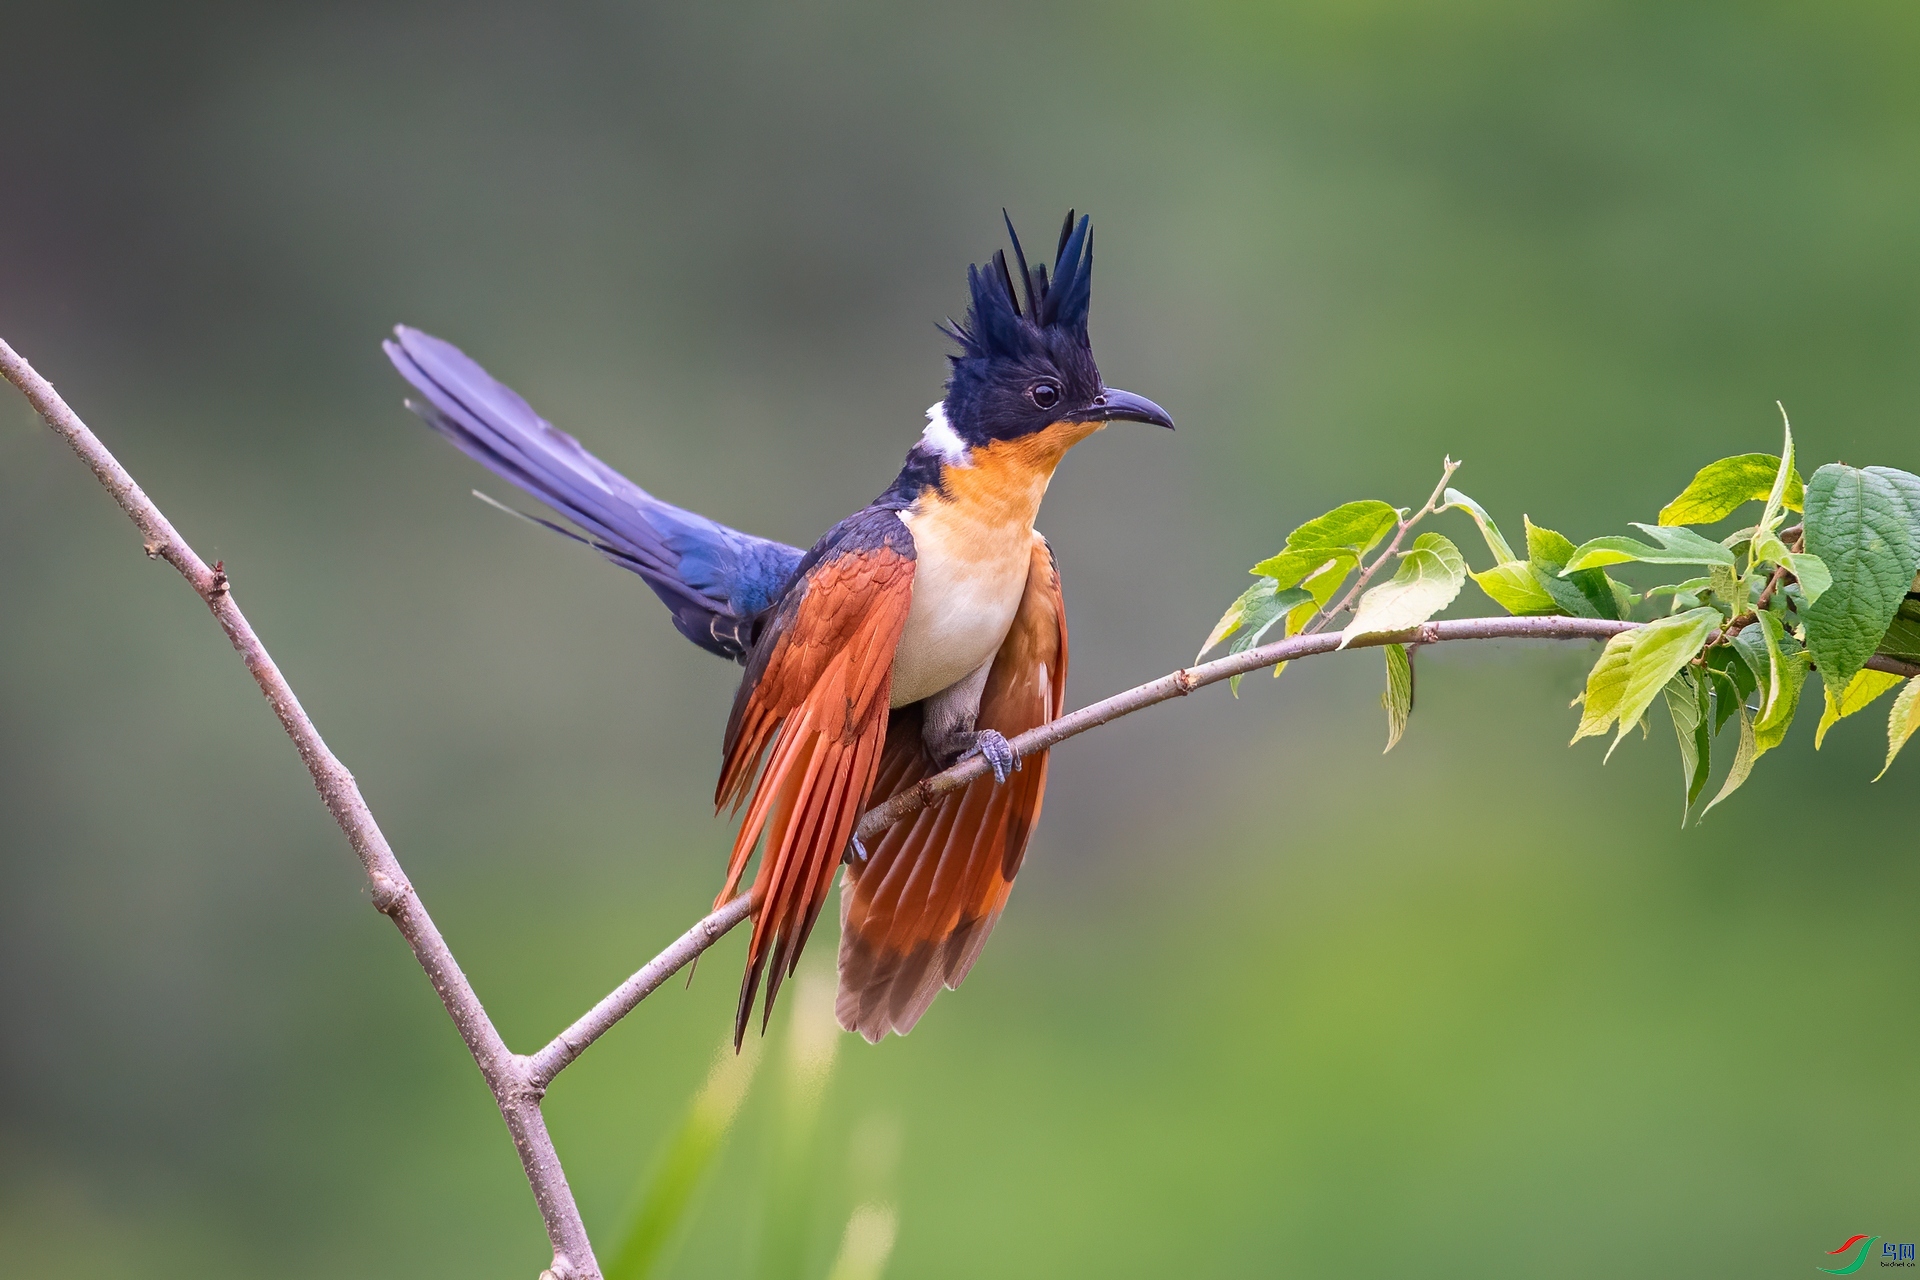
(1179, 683)
(393, 894)
(543, 1066)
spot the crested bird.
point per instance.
(925, 628)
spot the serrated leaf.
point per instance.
(1720, 488)
(1429, 577)
(1671, 546)
(1859, 693)
(1902, 720)
(1861, 523)
(1635, 666)
(1502, 553)
(1398, 697)
(1687, 705)
(1743, 758)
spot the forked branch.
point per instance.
(518, 1083)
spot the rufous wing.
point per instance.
(813, 703)
(914, 916)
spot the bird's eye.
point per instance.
(1045, 394)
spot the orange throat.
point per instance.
(973, 543)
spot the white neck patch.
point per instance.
(942, 438)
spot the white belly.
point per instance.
(967, 583)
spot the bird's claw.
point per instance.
(992, 747)
(856, 853)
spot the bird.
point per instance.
(926, 628)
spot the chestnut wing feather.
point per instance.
(914, 917)
(813, 704)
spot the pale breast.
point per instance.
(969, 574)
(973, 545)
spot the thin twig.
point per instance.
(1447, 467)
(543, 1066)
(393, 894)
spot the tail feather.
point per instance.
(716, 581)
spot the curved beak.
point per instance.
(1123, 406)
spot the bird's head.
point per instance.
(1025, 366)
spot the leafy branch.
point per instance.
(1832, 603)
(1735, 644)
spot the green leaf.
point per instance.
(1772, 635)
(1635, 666)
(1692, 586)
(1344, 533)
(1398, 697)
(1589, 593)
(1743, 758)
(1902, 720)
(1516, 587)
(1862, 525)
(1675, 546)
(1606, 686)
(1811, 572)
(1733, 590)
(1236, 615)
(1902, 639)
(1726, 698)
(1290, 568)
(1687, 704)
(1770, 730)
(1261, 620)
(1729, 664)
(1858, 694)
(1777, 494)
(1320, 587)
(1720, 488)
(1757, 658)
(1502, 553)
(1429, 577)
(1258, 608)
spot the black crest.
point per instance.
(1025, 360)
(1001, 323)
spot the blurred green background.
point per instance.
(1265, 1003)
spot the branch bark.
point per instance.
(518, 1083)
(505, 1072)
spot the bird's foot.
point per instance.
(991, 746)
(856, 854)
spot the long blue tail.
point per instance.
(716, 580)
